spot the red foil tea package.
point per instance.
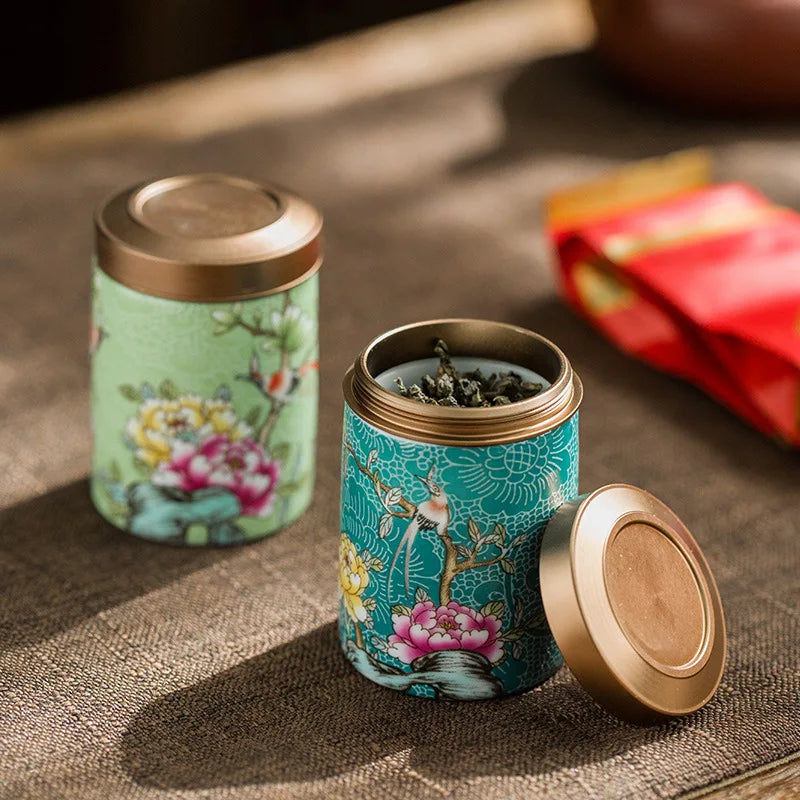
(697, 279)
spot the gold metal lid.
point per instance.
(208, 237)
(468, 427)
(632, 604)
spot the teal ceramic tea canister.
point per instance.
(204, 355)
(469, 566)
(443, 511)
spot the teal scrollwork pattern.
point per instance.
(438, 559)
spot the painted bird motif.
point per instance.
(281, 384)
(431, 515)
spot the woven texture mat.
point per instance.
(132, 670)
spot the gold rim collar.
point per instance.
(472, 427)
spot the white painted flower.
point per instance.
(292, 327)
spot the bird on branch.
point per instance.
(281, 384)
(432, 514)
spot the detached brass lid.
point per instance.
(208, 237)
(632, 604)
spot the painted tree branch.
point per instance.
(453, 566)
(272, 417)
(359, 636)
(450, 570)
(410, 508)
(254, 330)
(470, 564)
(490, 562)
(275, 405)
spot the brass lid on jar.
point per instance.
(632, 604)
(467, 427)
(208, 237)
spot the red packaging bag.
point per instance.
(699, 280)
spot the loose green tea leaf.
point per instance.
(468, 389)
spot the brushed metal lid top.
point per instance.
(208, 237)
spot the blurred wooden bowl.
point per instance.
(717, 54)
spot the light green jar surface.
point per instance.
(204, 414)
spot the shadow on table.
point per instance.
(570, 103)
(300, 712)
(61, 563)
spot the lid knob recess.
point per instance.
(632, 604)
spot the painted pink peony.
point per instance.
(452, 627)
(241, 466)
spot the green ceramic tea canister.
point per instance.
(204, 351)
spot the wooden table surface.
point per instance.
(402, 55)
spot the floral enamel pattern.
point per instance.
(206, 467)
(438, 560)
(242, 467)
(164, 422)
(354, 569)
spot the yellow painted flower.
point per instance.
(160, 423)
(219, 414)
(353, 579)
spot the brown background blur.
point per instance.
(84, 48)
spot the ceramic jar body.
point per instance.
(204, 414)
(466, 523)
